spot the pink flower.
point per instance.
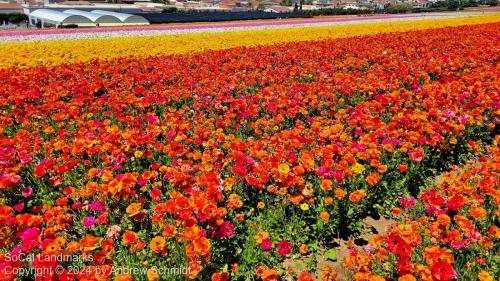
(27, 191)
(481, 261)
(407, 203)
(416, 154)
(475, 236)
(266, 244)
(113, 232)
(457, 244)
(284, 247)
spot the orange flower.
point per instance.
(234, 202)
(134, 209)
(328, 273)
(407, 277)
(235, 267)
(220, 276)
(477, 213)
(169, 231)
(326, 184)
(270, 275)
(373, 178)
(325, 216)
(357, 195)
(328, 201)
(158, 245)
(202, 246)
(303, 249)
(89, 242)
(340, 193)
(402, 168)
(494, 231)
(129, 238)
(262, 235)
(305, 276)
(382, 169)
(396, 211)
(443, 220)
(124, 277)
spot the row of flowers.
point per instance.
(180, 160)
(84, 47)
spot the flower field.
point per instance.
(226, 159)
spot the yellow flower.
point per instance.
(283, 169)
(138, 154)
(152, 274)
(261, 205)
(133, 209)
(304, 207)
(358, 168)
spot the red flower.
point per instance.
(402, 248)
(456, 202)
(442, 271)
(404, 266)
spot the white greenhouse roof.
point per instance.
(85, 18)
(60, 18)
(127, 19)
(96, 18)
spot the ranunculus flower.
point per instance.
(266, 244)
(224, 231)
(442, 271)
(407, 203)
(89, 221)
(27, 191)
(416, 154)
(284, 247)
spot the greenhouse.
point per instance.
(98, 19)
(126, 19)
(48, 17)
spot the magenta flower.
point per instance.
(284, 247)
(19, 207)
(89, 221)
(30, 234)
(224, 231)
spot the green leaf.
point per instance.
(331, 255)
